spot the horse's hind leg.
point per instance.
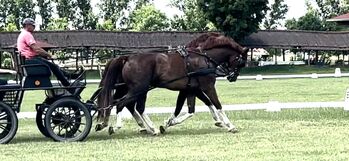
(201, 95)
(137, 118)
(144, 118)
(103, 121)
(212, 94)
(179, 104)
(178, 118)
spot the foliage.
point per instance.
(117, 11)
(277, 13)
(148, 18)
(236, 18)
(65, 9)
(58, 24)
(84, 18)
(106, 25)
(23, 9)
(310, 21)
(7, 8)
(315, 18)
(45, 11)
(193, 18)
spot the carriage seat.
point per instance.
(35, 68)
(35, 74)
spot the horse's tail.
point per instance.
(111, 75)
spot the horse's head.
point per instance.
(230, 56)
(235, 63)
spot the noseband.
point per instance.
(223, 69)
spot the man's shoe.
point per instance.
(77, 74)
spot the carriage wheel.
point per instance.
(40, 120)
(68, 119)
(8, 123)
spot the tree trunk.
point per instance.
(308, 57)
(283, 55)
(251, 54)
(276, 57)
(1, 59)
(77, 59)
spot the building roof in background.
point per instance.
(344, 17)
(341, 19)
(283, 39)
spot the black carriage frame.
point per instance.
(60, 108)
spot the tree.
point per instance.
(66, 9)
(315, 18)
(310, 21)
(148, 18)
(117, 11)
(7, 8)
(23, 9)
(236, 18)
(193, 18)
(45, 11)
(84, 18)
(277, 13)
(58, 24)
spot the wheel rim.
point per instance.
(67, 121)
(8, 123)
(40, 120)
(5, 123)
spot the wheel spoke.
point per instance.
(4, 128)
(5, 123)
(3, 116)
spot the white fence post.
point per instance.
(346, 100)
(337, 72)
(314, 75)
(259, 77)
(273, 106)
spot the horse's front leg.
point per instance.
(211, 93)
(213, 110)
(142, 118)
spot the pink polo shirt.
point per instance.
(24, 41)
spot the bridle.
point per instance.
(223, 69)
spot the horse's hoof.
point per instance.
(156, 132)
(111, 131)
(162, 129)
(218, 124)
(233, 130)
(99, 127)
(142, 130)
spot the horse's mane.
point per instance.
(212, 40)
(202, 38)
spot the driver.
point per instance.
(28, 48)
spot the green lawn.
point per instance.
(240, 92)
(291, 69)
(309, 134)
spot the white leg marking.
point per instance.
(226, 121)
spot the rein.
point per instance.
(184, 53)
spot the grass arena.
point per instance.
(297, 134)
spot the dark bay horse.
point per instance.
(139, 72)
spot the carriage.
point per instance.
(62, 115)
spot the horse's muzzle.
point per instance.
(232, 77)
